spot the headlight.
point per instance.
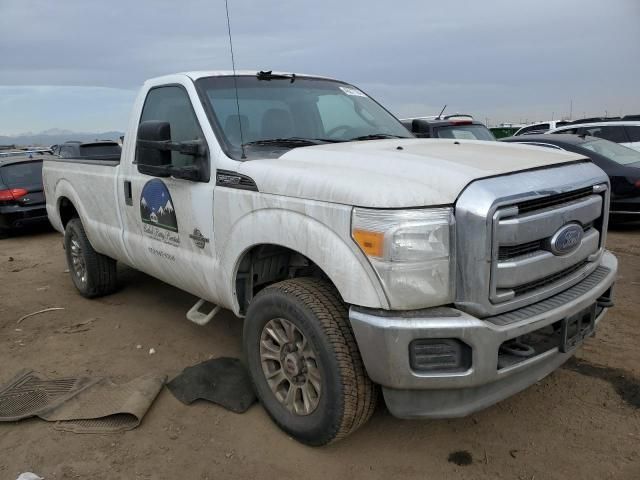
(412, 252)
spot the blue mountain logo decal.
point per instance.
(156, 206)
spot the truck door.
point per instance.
(168, 222)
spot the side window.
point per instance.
(172, 105)
(534, 128)
(634, 133)
(66, 152)
(613, 133)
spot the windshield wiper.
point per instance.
(269, 75)
(291, 142)
(374, 136)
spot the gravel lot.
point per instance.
(581, 422)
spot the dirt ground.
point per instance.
(582, 422)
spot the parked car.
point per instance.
(449, 126)
(453, 273)
(621, 164)
(21, 193)
(100, 150)
(24, 152)
(540, 127)
(624, 132)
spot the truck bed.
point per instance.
(91, 186)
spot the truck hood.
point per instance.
(394, 173)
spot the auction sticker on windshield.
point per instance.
(352, 91)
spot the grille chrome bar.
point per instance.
(513, 251)
(531, 268)
(527, 287)
(552, 200)
(544, 223)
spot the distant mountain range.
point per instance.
(54, 136)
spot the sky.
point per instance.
(77, 64)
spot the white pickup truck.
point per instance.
(450, 273)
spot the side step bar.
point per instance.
(198, 317)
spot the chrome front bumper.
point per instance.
(383, 339)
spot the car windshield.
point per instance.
(283, 113)
(465, 132)
(613, 151)
(21, 174)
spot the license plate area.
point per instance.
(576, 328)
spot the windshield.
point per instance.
(306, 111)
(613, 151)
(22, 174)
(465, 132)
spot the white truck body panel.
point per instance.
(377, 174)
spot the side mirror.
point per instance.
(420, 128)
(153, 153)
(150, 133)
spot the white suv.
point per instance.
(625, 133)
(540, 127)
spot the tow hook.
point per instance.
(606, 299)
(518, 348)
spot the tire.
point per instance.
(93, 274)
(347, 397)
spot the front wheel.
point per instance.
(304, 361)
(92, 273)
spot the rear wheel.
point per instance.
(304, 361)
(92, 273)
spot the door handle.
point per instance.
(128, 195)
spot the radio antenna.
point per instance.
(235, 82)
(441, 112)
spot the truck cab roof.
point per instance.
(198, 74)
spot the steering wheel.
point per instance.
(346, 128)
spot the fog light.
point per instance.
(439, 355)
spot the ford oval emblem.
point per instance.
(566, 239)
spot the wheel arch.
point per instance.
(68, 204)
(300, 237)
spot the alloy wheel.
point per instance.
(290, 366)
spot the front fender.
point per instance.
(340, 260)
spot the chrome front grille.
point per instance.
(529, 234)
(504, 227)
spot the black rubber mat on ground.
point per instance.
(223, 380)
(28, 395)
